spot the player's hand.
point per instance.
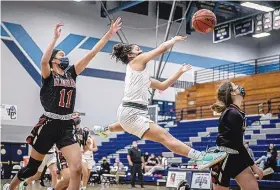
(57, 30)
(180, 38)
(116, 26)
(258, 171)
(185, 68)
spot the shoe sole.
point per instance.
(203, 167)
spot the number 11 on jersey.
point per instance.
(62, 97)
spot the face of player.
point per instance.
(238, 93)
(60, 54)
(135, 51)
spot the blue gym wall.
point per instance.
(27, 28)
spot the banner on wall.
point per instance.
(267, 22)
(276, 19)
(244, 27)
(201, 180)
(174, 178)
(222, 33)
(259, 24)
(8, 112)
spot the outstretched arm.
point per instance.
(171, 80)
(45, 66)
(162, 48)
(82, 64)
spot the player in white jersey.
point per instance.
(50, 161)
(132, 113)
(88, 159)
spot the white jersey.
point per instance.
(88, 154)
(137, 84)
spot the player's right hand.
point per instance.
(180, 38)
(57, 30)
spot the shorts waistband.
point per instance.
(135, 105)
(227, 150)
(57, 116)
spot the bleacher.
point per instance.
(200, 134)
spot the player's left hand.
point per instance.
(116, 26)
(185, 68)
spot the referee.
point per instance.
(136, 161)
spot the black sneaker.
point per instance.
(183, 185)
(142, 186)
(133, 186)
(42, 183)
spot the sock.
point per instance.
(194, 154)
(25, 184)
(84, 188)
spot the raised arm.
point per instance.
(45, 66)
(171, 80)
(144, 58)
(82, 64)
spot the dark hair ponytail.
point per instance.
(121, 51)
(224, 98)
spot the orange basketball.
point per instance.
(204, 21)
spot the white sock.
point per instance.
(194, 154)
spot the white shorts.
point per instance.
(134, 121)
(48, 160)
(90, 163)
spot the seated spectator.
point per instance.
(146, 157)
(105, 166)
(118, 169)
(268, 160)
(251, 153)
(152, 161)
(118, 166)
(162, 165)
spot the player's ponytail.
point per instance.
(121, 51)
(224, 98)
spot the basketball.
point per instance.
(204, 21)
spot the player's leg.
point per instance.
(53, 170)
(218, 187)
(154, 132)
(74, 159)
(25, 183)
(246, 180)
(85, 175)
(64, 183)
(41, 139)
(29, 170)
(71, 150)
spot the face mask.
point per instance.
(134, 145)
(64, 63)
(242, 91)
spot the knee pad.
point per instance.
(29, 170)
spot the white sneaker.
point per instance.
(50, 188)
(6, 186)
(101, 131)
